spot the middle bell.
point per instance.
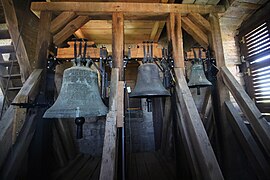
(148, 83)
(79, 92)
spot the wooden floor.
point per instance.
(150, 166)
(83, 167)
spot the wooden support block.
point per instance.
(69, 29)
(195, 32)
(61, 20)
(258, 123)
(248, 143)
(200, 21)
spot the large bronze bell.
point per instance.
(197, 78)
(79, 95)
(148, 83)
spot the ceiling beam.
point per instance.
(69, 29)
(154, 30)
(195, 32)
(126, 8)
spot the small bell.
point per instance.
(197, 78)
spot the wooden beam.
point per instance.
(43, 40)
(14, 160)
(195, 32)
(61, 20)
(204, 154)
(154, 30)
(118, 42)
(135, 8)
(13, 26)
(120, 104)
(109, 155)
(257, 121)
(69, 29)
(200, 21)
(248, 143)
(175, 36)
(28, 92)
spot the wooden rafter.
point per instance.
(195, 32)
(154, 30)
(139, 9)
(200, 21)
(61, 20)
(69, 29)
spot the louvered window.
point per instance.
(255, 49)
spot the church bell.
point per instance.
(79, 95)
(148, 83)
(197, 78)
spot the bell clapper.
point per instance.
(198, 90)
(79, 121)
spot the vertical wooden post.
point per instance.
(118, 42)
(228, 144)
(41, 139)
(175, 36)
(44, 39)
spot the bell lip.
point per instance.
(166, 94)
(202, 86)
(49, 115)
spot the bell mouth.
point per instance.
(149, 94)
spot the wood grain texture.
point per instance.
(118, 42)
(19, 47)
(257, 121)
(204, 154)
(195, 32)
(60, 21)
(109, 155)
(69, 29)
(200, 21)
(98, 7)
(247, 141)
(9, 127)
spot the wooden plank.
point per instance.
(200, 21)
(79, 34)
(69, 29)
(137, 8)
(204, 153)
(7, 129)
(250, 147)
(21, 53)
(252, 113)
(118, 42)
(120, 104)
(195, 32)
(60, 21)
(109, 155)
(165, 125)
(13, 163)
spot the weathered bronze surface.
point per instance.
(79, 93)
(148, 83)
